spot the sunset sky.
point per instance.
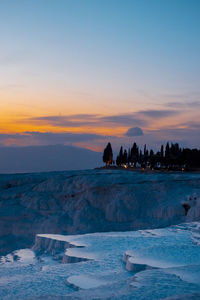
(85, 72)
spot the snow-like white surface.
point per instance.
(84, 282)
(173, 253)
(25, 256)
(63, 238)
(81, 253)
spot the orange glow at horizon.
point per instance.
(11, 123)
(19, 117)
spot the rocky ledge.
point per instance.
(58, 246)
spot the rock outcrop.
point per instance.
(131, 265)
(57, 245)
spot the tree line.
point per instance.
(169, 156)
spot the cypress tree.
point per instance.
(125, 157)
(108, 155)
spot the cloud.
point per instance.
(187, 137)
(191, 125)
(67, 121)
(48, 138)
(134, 131)
(91, 120)
(158, 113)
(61, 138)
(125, 119)
(184, 104)
(129, 120)
(8, 138)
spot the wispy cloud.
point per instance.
(184, 104)
(66, 121)
(125, 119)
(48, 138)
(61, 138)
(190, 125)
(129, 119)
(158, 114)
(135, 119)
(129, 124)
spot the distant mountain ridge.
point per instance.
(47, 158)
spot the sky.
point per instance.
(85, 72)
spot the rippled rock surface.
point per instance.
(92, 201)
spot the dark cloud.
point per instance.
(137, 119)
(48, 138)
(184, 104)
(77, 117)
(190, 125)
(180, 133)
(67, 121)
(125, 119)
(158, 113)
(91, 120)
(9, 136)
(187, 137)
(12, 138)
(134, 131)
(61, 138)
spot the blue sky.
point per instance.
(97, 57)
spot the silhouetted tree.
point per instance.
(167, 154)
(145, 157)
(108, 155)
(119, 160)
(129, 155)
(125, 157)
(162, 153)
(134, 153)
(172, 156)
(151, 158)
